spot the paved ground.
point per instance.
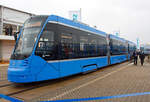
(124, 80)
(114, 80)
(3, 71)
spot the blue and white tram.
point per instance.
(131, 49)
(118, 49)
(51, 47)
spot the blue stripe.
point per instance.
(100, 98)
(9, 98)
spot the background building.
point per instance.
(145, 48)
(11, 20)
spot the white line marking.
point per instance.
(1, 65)
(90, 82)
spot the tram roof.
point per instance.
(117, 38)
(75, 24)
(121, 39)
(130, 42)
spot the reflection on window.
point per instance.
(27, 40)
(46, 48)
(102, 46)
(66, 45)
(83, 43)
(118, 47)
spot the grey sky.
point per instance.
(131, 17)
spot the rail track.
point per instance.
(5, 83)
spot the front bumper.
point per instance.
(20, 75)
(21, 78)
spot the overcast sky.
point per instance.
(131, 17)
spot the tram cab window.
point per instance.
(45, 47)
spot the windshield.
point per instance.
(27, 40)
(31, 29)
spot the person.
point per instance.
(10, 30)
(6, 30)
(135, 57)
(142, 57)
(148, 58)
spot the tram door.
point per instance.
(108, 48)
(127, 50)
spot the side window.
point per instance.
(92, 46)
(75, 46)
(83, 46)
(66, 46)
(114, 47)
(118, 47)
(45, 47)
(121, 47)
(102, 46)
